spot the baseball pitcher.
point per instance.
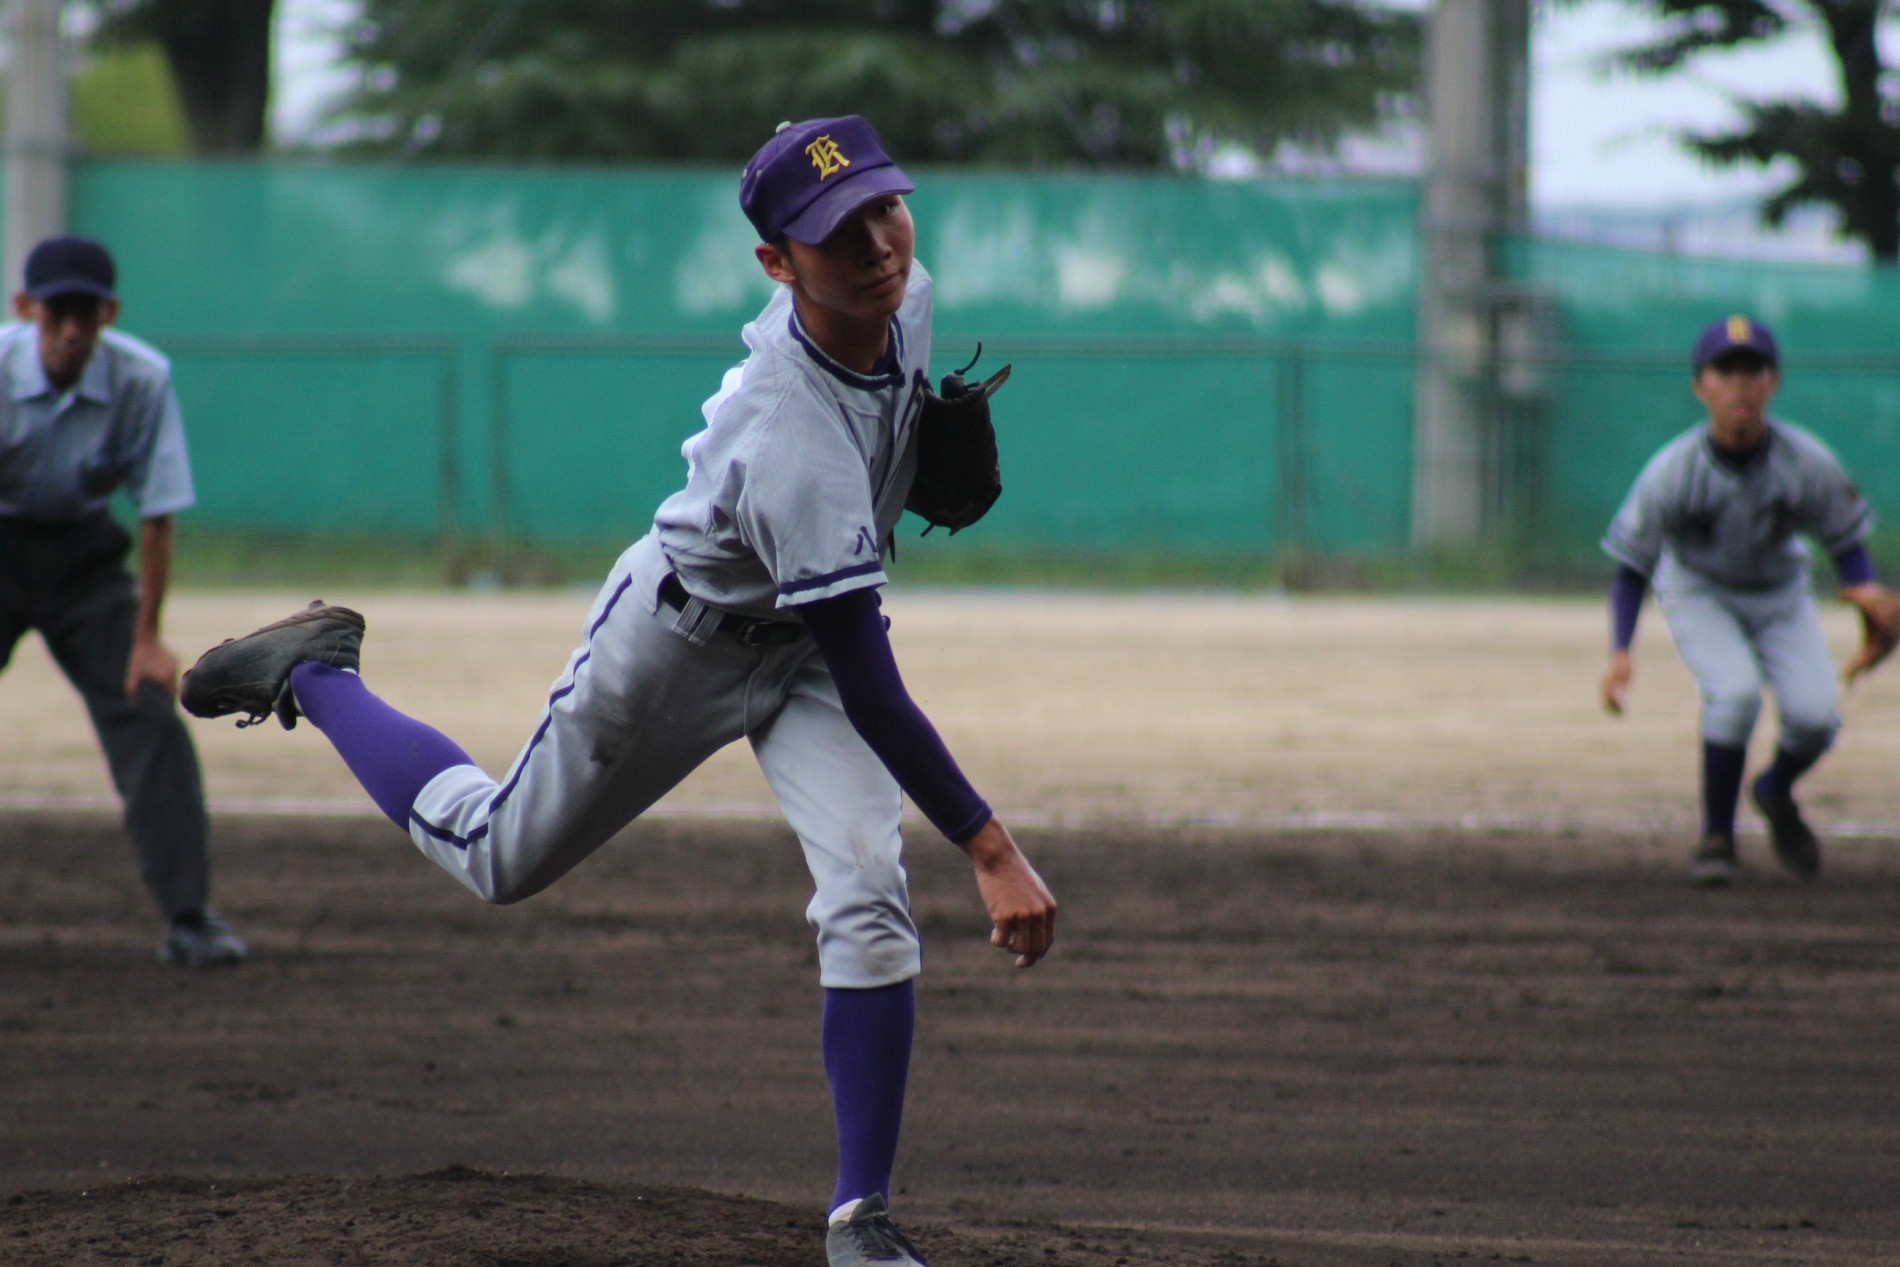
(749, 611)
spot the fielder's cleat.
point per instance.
(1795, 842)
(251, 674)
(1713, 866)
(869, 1237)
(201, 939)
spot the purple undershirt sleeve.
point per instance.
(1626, 602)
(850, 634)
(1854, 565)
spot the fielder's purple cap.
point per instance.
(1735, 334)
(811, 175)
(69, 266)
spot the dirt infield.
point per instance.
(1324, 1048)
(1258, 1042)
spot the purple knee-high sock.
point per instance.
(1778, 779)
(391, 755)
(1721, 786)
(867, 1058)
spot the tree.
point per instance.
(1848, 158)
(219, 53)
(1090, 82)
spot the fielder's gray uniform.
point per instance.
(795, 484)
(1722, 547)
(62, 572)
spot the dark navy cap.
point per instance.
(1735, 334)
(810, 176)
(69, 266)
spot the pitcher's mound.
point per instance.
(457, 1217)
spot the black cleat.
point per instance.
(1713, 866)
(201, 939)
(868, 1238)
(251, 674)
(1795, 842)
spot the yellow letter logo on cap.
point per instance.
(1739, 330)
(827, 157)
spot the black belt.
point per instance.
(750, 631)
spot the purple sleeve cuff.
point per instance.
(1626, 603)
(850, 633)
(1854, 566)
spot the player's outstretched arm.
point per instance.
(1022, 910)
(850, 635)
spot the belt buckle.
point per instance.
(767, 633)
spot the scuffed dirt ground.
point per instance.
(1351, 1049)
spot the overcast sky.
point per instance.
(1595, 139)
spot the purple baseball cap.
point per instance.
(1733, 334)
(810, 176)
(69, 265)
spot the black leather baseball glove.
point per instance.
(958, 475)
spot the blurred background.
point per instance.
(1301, 293)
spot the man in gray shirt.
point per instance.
(87, 411)
(1715, 523)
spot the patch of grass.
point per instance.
(214, 558)
(211, 558)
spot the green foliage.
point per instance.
(1148, 83)
(125, 103)
(219, 52)
(1847, 158)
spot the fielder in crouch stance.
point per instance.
(1712, 523)
(750, 610)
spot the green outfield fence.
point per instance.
(497, 357)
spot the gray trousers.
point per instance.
(639, 707)
(1734, 641)
(69, 582)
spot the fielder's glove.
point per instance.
(1879, 624)
(958, 475)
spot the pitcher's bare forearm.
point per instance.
(1022, 910)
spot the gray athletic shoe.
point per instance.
(201, 939)
(1713, 866)
(251, 674)
(1795, 842)
(869, 1237)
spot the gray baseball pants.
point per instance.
(69, 582)
(1734, 641)
(648, 696)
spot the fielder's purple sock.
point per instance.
(1778, 779)
(391, 755)
(867, 1059)
(1721, 786)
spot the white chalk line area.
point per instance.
(1314, 821)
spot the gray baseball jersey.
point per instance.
(63, 454)
(1739, 528)
(800, 476)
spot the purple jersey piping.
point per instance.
(842, 574)
(893, 377)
